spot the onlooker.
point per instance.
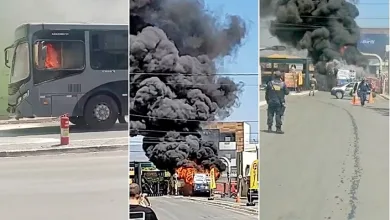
(313, 85)
(138, 211)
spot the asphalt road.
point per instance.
(32, 135)
(331, 163)
(72, 186)
(168, 208)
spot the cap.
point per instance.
(134, 190)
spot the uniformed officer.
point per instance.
(275, 92)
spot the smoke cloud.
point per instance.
(173, 83)
(326, 29)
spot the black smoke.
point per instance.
(323, 27)
(173, 83)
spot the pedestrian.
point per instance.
(275, 93)
(362, 91)
(138, 211)
(313, 85)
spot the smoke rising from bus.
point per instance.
(176, 43)
(327, 29)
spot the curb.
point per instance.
(230, 206)
(27, 121)
(64, 150)
(384, 96)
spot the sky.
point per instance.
(373, 14)
(244, 61)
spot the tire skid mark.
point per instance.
(357, 173)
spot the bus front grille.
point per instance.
(74, 88)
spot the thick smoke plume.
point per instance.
(326, 28)
(173, 81)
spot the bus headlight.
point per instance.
(23, 97)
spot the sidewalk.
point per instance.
(385, 96)
(28, 120)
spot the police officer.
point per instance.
(275, 92)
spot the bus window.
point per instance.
(109, 50)
(60, 55)
(21, 67)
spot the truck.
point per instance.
(201, 185)
(80, 70)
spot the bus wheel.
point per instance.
(101, 112)
(79, 121)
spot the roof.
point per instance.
(282, 56)
(374, 30)
(76, 25)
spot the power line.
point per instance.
(179, 119)
(337, 17)
(202, 84)
(292, 26)
(155, 142)
(184, 132)
(199, 75)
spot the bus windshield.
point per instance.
(20, 63)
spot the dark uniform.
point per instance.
(363, 90)
(275, 92)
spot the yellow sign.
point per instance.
(300, 78)
(131, 171)
(253, 178)
(213, 185)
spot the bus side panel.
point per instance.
(117, 90)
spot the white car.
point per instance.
(345, 90)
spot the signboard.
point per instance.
(131, 171)
(213, 185)
(374, 43)
(344, 74)
(289, 80)
(227, 146)
(253, 178)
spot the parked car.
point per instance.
(346, 90)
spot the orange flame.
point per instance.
(187, 173)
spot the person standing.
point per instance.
(313, 85)
(275, 93)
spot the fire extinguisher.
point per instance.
(64, 125)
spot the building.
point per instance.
(234, 144)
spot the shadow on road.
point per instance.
(47, 130)
(381, 111)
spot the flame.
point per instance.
(187, 173)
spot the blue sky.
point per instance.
(373, 14)
(245, 61)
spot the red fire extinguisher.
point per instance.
(64, 125)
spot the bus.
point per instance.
(76, 69)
